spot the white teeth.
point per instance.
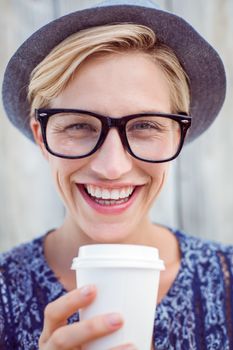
(129, 191)
(105, 193)
(123, 193)
(114, 194)
(97, 193)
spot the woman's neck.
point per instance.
(62, 245)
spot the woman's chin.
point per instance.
(107, 232)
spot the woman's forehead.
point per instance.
(117, 81)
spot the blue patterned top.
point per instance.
(196, 313)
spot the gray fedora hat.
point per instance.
(200, 61)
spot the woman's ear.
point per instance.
(37, 134)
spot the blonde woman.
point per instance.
(110, 94)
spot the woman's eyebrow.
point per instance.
(139, 111)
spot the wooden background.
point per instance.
(198, 197)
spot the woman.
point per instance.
(110, 97)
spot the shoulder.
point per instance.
(210, 260)
(20, 270)
(20, 258)
(17, 271)
(17, 267)
(200, 247)
(199, 303)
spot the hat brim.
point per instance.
(200, 61)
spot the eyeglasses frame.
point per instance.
(42, 116)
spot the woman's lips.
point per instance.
(114, 207)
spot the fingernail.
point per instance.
(129, 347)
(87, 290)
(114, 320)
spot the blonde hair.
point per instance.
(53, 74)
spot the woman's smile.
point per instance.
(109, 200)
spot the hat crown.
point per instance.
(143, 3)
(197, 57)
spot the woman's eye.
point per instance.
(145, 126)
(80, 126)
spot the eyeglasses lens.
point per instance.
(150, 138)
(73, 134)
(153, 138)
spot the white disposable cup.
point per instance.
(127, 280)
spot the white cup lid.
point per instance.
(118, 255)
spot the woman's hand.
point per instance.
(57, 335)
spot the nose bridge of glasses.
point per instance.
(114, 122)
(118, 124)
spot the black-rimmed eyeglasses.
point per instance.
(150, 137)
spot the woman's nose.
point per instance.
(111, 161)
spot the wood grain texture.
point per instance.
(206, 166)
(28, 199)
(198, 196)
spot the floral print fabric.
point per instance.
(196, 313)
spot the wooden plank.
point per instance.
(74, 5)
(29, 205)
(206, 188)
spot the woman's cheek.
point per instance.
(159, 174)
